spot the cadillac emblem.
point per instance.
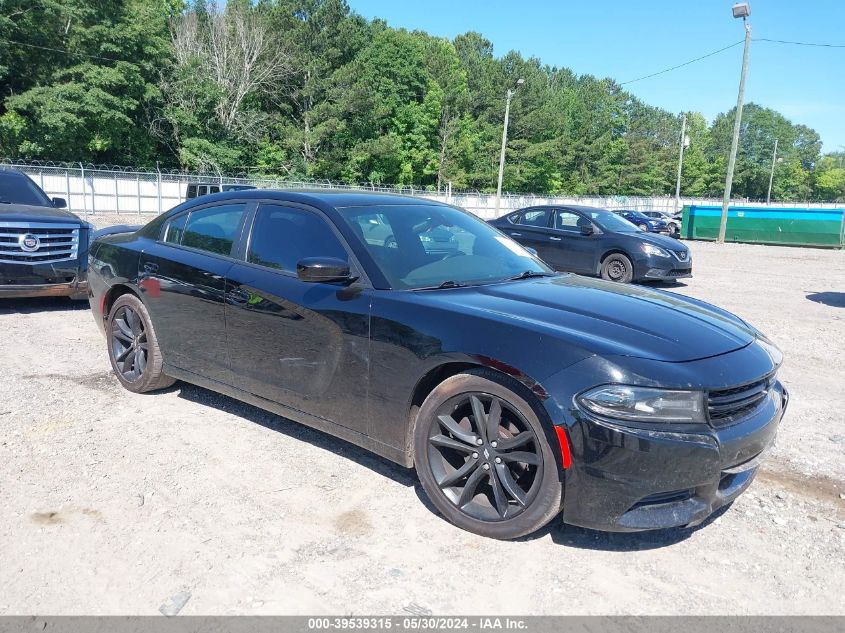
(29, 243)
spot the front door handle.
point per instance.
(517, 234)
(555, 239)
(237, 296)
(151, 268)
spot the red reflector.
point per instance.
(103, 305)
(564, 446)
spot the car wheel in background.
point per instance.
(644, 227)
(483, 459)
(390, 242)
(133, 347)
(617, 267)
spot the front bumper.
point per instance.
(662, 268)
(633, 479)
(49, 280)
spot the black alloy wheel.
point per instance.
(483, 458)
(133, 346)
(129, 343)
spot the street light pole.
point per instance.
(519, 82)
(680, 163)
(744, 12)
(772, 174)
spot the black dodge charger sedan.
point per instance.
(593, 241)
(515, 392)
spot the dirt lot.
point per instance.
(115, 503)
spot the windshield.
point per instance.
(425, 246)
(609, 221)
(17, 190)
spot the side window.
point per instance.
(513, 218)
(175, 229)
(214, 229)
(213, 189)
(535, 217)
(192, 191)
(568, 221)
(281, 236)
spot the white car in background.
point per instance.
(673, 222)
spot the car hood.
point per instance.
(664, 241)
(28, 213)
(607, 318)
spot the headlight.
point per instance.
(644, 404)
(651, 249)
(425, 238)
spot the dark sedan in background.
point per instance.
(644, 222)
(514, 391)
(593, 241)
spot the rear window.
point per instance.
(15, 189)
(535, 217)
(213, 229)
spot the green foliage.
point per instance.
(333, 96)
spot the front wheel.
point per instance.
(483, 459)
(133, 347)
(644, 227)
(617, 267)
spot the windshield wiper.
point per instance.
(449, 283)
(527, 274)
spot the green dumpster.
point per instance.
(769, 225)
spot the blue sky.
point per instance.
(626, 39)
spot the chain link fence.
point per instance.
(107, 194)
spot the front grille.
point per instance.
(677, 272)
(681, 255)
(37, 242)
(729, 405)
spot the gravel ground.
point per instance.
(115, 503)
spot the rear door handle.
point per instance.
(517, 234)
(555, 239)
(151, 268)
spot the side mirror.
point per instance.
(533, 251)
(323, 269)
(60, 203)
(587, 229)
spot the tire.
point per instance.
(390, 242)
(133, 347)
(644, 227)
(502, 499)
(617, 267)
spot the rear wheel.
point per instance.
(483, 459)
(133, 347)
(617, 267)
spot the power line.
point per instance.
(764, 39)
(692, 61)
(60, 50)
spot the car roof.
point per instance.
(14, 173)
(331, 197)
(575, 207)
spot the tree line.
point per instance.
(310, 89)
